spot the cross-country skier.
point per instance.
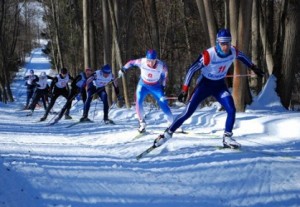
(30, 79)
(96, 85)
(77, 86)
(59, 87)
(41, 92)
(214, 64)
(152, 81)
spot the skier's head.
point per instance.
(106, 69)
(43, 75)
(88, 71)
(151, 56)
(64, 71)
(31, 72)
(223, 42)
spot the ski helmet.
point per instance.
(43, 74)
(106, 69)
(31, 71)
(64, 71)
(151, 54)
(224, 36)
(88, 69)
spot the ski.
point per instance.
(228, 148)
(147, 151)
(52, 123)
(198, 134)
(78, 122)
(109, 122)
(139, 135)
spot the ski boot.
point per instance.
(29, 113)
(229, 142)
(84, 119)
(67, 116)
(108, 121)
(43, 118)
(162, 138)
(142, 127)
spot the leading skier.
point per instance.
(214, 64)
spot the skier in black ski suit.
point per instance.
(78, 86)
(30, 79)
(41, 92)
(59, 87)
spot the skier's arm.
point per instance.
(53, 84)
(202, 60)
(75, 80)
(131, 63)
(90, 79)
(50, 77)
(242, 57)
(35, 81)
(164, 75)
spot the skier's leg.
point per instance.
(103, 96)
(158, 94)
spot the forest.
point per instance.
(91, 33)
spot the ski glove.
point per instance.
(120, 98)
(121, 73)
(182, 96)
(257, 71)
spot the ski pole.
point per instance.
(240, 75)
(95, 109)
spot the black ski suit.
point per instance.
(59, 87)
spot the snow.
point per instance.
(94, 164)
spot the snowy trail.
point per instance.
(94, 164)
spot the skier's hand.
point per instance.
(50, 95)
(121, 73)
(257, 71)
(120, 98)
(182, 96)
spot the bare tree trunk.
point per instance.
(289, 59)
(255, 82)
(212, 25)
(85, 9)
(266, 44)
(92, 45)
(151, 14)
(186, 32)
(118, 52)
(241, 92)
(201, 9)
(234, 11)
(56, 25)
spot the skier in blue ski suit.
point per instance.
(214, 64)
(152, 81)
(96, 85)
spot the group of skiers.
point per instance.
(213, 63)
(86, 84)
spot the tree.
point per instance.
(241, 92)
(286, 72)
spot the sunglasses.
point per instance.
(225, 43)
